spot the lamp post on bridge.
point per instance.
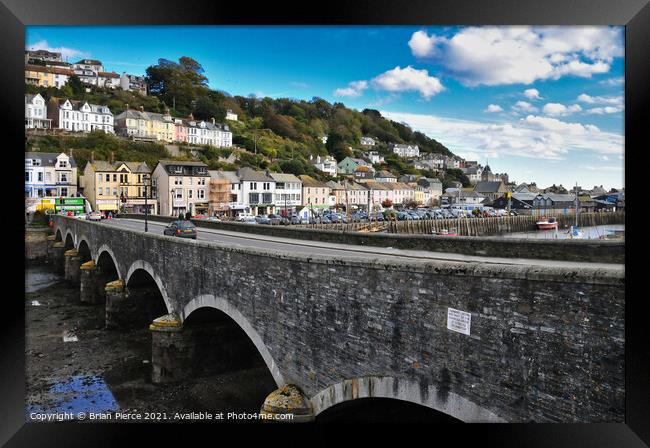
(146, 180)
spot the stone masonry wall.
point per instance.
(545, 345)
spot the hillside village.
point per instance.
(112, 138)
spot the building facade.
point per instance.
(405, 150)
(325, 164)
(288, 193)
(182, 186)
(113, 187)
(36, 113)
(49, 175)
(78, 116)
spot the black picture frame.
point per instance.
(634, 14)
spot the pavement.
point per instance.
(335, 250)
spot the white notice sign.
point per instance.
(458, 321)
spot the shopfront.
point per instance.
(74, 205)
(106, 206)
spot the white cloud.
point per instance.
(532, 94)
(524, 106)
(604, 110)
(610, 100)
(612, 104)
(531, 137)
(354, 88)
(560, 109)
(603, 168)
(408, 79)
(493, 108)
(423, 45)
(521, 54)
(66, 53)
(613, 81)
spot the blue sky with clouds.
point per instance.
(544, 104)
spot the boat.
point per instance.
(575, 232)
(546, 223)
(445, 232)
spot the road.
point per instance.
(334, 250)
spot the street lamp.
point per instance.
(146, 180)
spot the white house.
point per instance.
(258, 190)
(374, 157)
(36, 113)
(367, 141)
(230, 115)
(133, 83)
(325, 164)
(288, 192)
(80, 117)
(87, 70)
(48, 174)
(405, 150)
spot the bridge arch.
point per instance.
(146, 266)
(58, 235)
(221, 304)
(406, 390)
(69, 240)
(83, 249)
(104, 248)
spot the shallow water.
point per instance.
(39, 277)
(594, 232)
(79, 394)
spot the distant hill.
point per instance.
(279, 134)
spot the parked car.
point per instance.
(94, 216)
(295, 219)
(81, 216)
(262, 219)
(213, 218)
(181, 229)
(241, 216)
(274, 219)
(249, 220)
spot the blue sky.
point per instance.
(544, 104)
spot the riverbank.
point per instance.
(73, 364)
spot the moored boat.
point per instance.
(546, 223)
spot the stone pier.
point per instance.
(198, 350)
(57, 257)
(115, 293)
(169, 354)
(49, 244)
(92, 283)
(72, 264)
(289, 399)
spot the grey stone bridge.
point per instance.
(542, 344)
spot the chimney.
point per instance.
(141, 108)
(70, 153)
(112, 157)
(92, 156)
(191, 116)
(212, 120)
(237, 172)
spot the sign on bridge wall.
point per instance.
(458, 321)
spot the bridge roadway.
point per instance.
(327, 249)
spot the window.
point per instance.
(267, 185)
(64, 177)
(40, 177)
(108, 178)
(63, 164)
(28, 176)
(254, 198)
(189, 181)
(100, 191)
(253, 185)
(189, 194)
(64, 191)
(114, 177)
(178, 181)
(200, 194)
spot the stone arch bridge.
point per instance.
(542, 343)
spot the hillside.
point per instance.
(286, 132)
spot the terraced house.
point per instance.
(182, 186)
(209, 133)
(48, 174)
(40, 76)
(117, 186)
(145, 126)
(79, 116)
